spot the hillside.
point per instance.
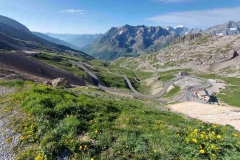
(129, 41)
(200, 52)
(13, 23)
(13, 38)
(55, 40)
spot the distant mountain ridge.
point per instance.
(55, 40)
(79, 40)
(181, 30)
(129, 41)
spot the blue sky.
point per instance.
(97, 16)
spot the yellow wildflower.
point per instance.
(80, 147)
(235, 135)
(96, 131)
(39, 157)
(194, 140)
(155, 150)
(219, 137)
(202, 151)
(92, 159)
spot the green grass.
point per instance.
(54, 120)
(113, 78)
(173, 92)
(61, 61)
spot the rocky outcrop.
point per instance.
(188, 37)
(59, 82)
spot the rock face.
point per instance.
(188, 37)
(229, 28)
(130, 41)
(59, 82)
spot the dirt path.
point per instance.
(6, 148)
(210, 113)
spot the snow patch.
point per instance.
(233, 29)
(179, 26)
(219, 34)
(186, 33)
(120, 32)
(167, 28)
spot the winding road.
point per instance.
(185, 97)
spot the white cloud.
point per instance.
(171, 1)
(72, 11)
(198, 18)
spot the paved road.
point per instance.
(185, 97)
(136, 93)
(163, 91)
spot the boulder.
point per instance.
(47, 83)
(232, 54)
(59, 82)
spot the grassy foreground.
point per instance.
(56, 123)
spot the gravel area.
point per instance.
(6, 148)
(210, 113)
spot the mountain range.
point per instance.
(78, 40)
(135, 40)
(129, 41)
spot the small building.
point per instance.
(183, 73)
(202, 94)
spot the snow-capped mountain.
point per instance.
(228, 28)
(181, 30)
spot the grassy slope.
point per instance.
(172, 92)
(100, 127)
(61, 61)
(107, 75)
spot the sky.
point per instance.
(98, 16)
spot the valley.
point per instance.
(135, 92)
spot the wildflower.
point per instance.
(96, 131)
(126, 146)
(202, 151)
(213, 155)
(154, 150)
(40, 157)
(212, 146)
(219, 137)
(92, 159)
(195, 130)
(194, 140)
(80, 147)
(235, 135)
(119, 152)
